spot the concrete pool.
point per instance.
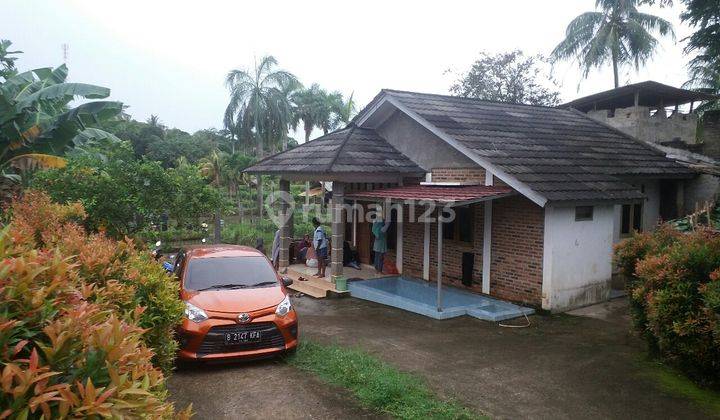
(420, 296)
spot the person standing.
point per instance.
(379, 231)
(320, 243)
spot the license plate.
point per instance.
(242, 337)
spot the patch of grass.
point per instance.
(674, 382)
(376, 384)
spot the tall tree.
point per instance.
(308, 108)
(508, 77)
(259, 101)
(618, 33)
(704, 68)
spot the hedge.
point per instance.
(674, 290)
(86, 322)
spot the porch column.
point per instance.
(338, 229)
(399, 239)
(426, 252)
(439, 260)
(285, 228)
(487, 239)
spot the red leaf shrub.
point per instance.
(86, 322)
(674, 290)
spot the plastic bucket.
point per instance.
(341, 284)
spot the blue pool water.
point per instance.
(420, 296)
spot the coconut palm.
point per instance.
(618, 33)
(259, 107)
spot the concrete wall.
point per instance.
(710, 134)
(420, 145)
(657, 128)
(577, 263)
(699, 191)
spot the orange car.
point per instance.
(236, 305)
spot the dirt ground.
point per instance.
(585, 365)
(259, 390)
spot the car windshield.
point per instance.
(229, 273)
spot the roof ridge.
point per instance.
(352, 128)
(298, 146)
(390, 91)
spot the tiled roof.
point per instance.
(440, 194)
(561, 154)
(349, 150)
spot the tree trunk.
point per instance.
(259, 177)
(308, 131)
(615, 68)
(218, 226)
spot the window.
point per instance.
(583, 213)
(391, 233)
(238, 272)
(462, 227)
(631, 219)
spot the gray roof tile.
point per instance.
(560, 153)
(349, 150)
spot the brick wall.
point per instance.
(517, 250)
(414, 240)
(458, 175)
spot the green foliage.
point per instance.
(86, 323)
(704, 17)
(36, 118)
(674, 289)
(123, 195)
(317, 108)
(376, 384)
(509, 77)
(619, 33)
(260, 109)
(7, 62)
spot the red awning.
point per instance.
(440, 194)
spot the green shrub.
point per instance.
(86, 323)
(674, 289)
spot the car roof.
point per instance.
(218, 251)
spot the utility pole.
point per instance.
(65, 47)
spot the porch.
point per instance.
(368, 176)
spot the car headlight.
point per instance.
(284, 307)
(193, 313)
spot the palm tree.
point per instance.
(618, 33)
(213, 167)
(259, 107)
(308, 108)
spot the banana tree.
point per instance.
(37, 125)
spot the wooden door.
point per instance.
(364, 242)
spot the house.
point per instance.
(653, 112)
(540, 194)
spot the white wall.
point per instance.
(577, 258)
(651, 207)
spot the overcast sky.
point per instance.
(170, 57)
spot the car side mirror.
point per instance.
(287, 281)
